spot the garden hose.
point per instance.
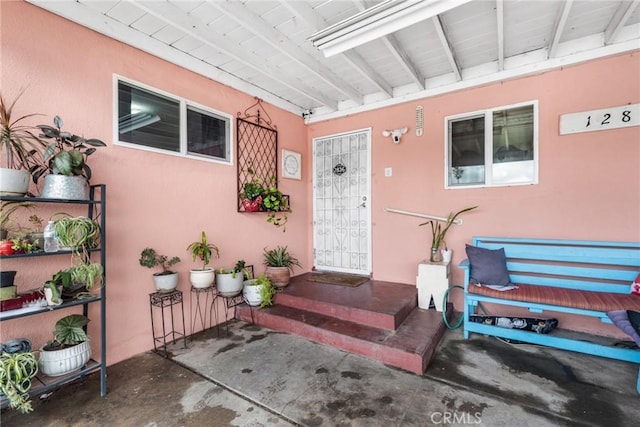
(444, 309)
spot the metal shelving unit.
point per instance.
(96, 209)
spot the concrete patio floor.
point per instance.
(257, 377)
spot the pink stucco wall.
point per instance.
(589, 183)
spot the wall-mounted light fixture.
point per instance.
(395, 134)
(378, 21)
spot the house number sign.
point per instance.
(607, 118)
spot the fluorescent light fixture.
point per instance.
(136, 121)
(378, 21)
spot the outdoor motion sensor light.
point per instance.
(395, 134)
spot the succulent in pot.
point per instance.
(165, 280)
(280, 264)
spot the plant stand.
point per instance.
(198, 308)
(432, 281)
(164, 300)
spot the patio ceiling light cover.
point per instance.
(378, 21)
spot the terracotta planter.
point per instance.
(279, 276)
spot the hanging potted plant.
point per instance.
(280, 264)
(165, 280)
(229, 280)
(252, 196)
(64, 163)
(204, 277)
(16, 372)
(69, 350)
(20, 148)
(438, 234)
(259, 292)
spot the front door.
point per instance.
(342, 202)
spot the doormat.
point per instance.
(340, 279)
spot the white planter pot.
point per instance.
(49, 295)
(60, 362)
(446, 255)
(251, 292)
(229, 286)
(202, 279)
(65, 187)
(14, 182)
(165, 282)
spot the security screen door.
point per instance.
(342, 202)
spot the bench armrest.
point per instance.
(464, 264)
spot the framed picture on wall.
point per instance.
(291, 164)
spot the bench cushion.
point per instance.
(585, 300)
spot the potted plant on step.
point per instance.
(438, 234)
(280, 264)
(69, 350)
(16, 373)
(165, 280)
(64, 163)
(259, 292)
(204, 277)
(229, 280)
(20, 148)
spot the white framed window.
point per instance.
(150, 119)
(494, 147)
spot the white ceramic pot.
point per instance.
(49, 295)
(251, 292)
(229, 286)
(202, 279)
(14, 182)
(60, 362)
(165, 282)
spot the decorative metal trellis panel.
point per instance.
(257, 148)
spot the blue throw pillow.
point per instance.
(488, 266)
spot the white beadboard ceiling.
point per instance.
(262, 47)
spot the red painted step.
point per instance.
(375, 303)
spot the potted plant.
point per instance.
(35, 232)
(165, 280)
(280, 264)
(74, 282)
(16, 372)
(19, 147)
(7, 209)
(229, 280)
(77, 233)
(251, 196)
(259, 291)
(277, 204)
(69, 350)
(64, 163)
(204, 277)
(438, 234)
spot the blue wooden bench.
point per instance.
(587, 278)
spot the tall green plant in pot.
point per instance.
(438, 233)
(280, 264)
(20, 149)
(165, 280)
(64, 164)
(203, 250)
